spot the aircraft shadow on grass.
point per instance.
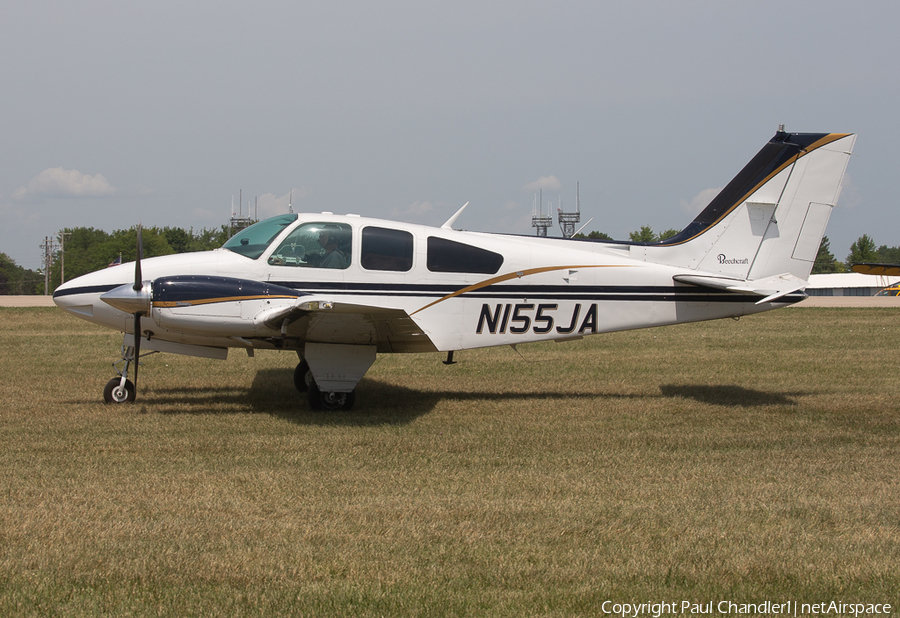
(272, 392)
(728, 395)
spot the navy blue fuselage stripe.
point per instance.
(200, 287)
(88, 289)
(187, 291)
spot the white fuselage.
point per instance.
(543, 289)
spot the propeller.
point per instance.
(137, 287)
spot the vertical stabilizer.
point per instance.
(770, 219)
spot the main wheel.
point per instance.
(319, 400)
(302, 377)
(113, 392)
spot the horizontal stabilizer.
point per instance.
(772, 288)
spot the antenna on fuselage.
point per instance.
(449, 224)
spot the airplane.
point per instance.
(868, 268)
(340, 289)
(883, 270)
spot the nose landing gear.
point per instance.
(121, 389)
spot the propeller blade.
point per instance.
(137, 346)
(138, 285)
(138, 279)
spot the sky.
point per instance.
(163, 113)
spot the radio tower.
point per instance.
(538, 219)
(568, 220)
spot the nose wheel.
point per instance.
(119, 390)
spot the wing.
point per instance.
(891, 270)
(322, 321)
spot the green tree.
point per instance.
(825, 260)
(210, 239)
(645, 234)
(179, 239)
(667, 234)
(88, 250)
(888, 255)
(594, 235)
(17, 280)
(863, 250)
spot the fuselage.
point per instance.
(402, 287)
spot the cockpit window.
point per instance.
(254, 240)
(447, 256)
(315, 245)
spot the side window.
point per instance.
(315, 245)
(386, 249)
(447, 256)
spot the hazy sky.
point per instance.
(120, 112)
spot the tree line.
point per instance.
(861, 251)
(88, 249)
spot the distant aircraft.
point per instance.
(338, 290)
(888, 270)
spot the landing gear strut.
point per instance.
(121, 389)
(302, 376)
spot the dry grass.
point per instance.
(745, 461)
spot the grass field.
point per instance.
(744, 461)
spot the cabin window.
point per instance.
(254, 240)
(448, 256)
(386, 249)
(315, 245)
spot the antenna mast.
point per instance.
(538, 219)
(568, 220)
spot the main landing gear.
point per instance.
(329, 372)
(318, 399)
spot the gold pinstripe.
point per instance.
(516, 275)
(209, 301)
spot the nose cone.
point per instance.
(74, 298)
(126, 298)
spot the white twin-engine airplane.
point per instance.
(340, 289)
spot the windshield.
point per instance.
(254, 240)
(316, 245)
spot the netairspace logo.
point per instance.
(787, 608)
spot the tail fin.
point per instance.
(769, 221)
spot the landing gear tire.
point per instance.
(302, 377)
(319, 400)
(113, 392)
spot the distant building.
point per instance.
(848, 284)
